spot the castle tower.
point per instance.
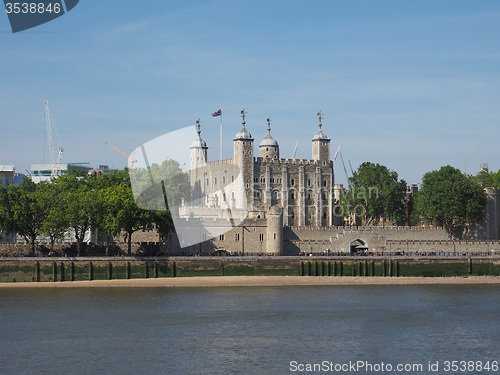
(321, 145)
(274, 231)
(243, 159)
(269, 148)
(198, 159)
(198, 150)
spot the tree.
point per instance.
(485, 179)
(83, 210)
(452, 198)
(26, 212)
(375, 193)
(55, 223)
(4, 209)
(121, 213)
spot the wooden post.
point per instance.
(470, 266)
(110, 271)
(72, 271)
(174, 269)
(341, 269)
(128, 271)
(62, 271)
(146, 270)
(91, 271)
(373, 268)
(156, 270)
(37, 272)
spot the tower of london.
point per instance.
(266, 191)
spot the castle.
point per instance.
(267, 205)
(272, 192)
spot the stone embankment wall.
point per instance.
(382, 240)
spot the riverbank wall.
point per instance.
(45, 269)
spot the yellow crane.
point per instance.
(131, 158)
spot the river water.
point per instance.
(265, 330)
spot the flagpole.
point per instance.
(220, 133)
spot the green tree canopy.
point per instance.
(449, 196)
(485, 179)
(375, 193)
(25, 211)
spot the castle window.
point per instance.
(274, 235)
(232, 178)
(308, 182)
(237, 237)
(267, 149)
(292, 182)
(272, 180)
(323, 196)
(207, 182)
(292, 195)
(255, 179)
(257, 196)
(324, 215)
(276, 156)
(221, 237)
(261, 237)
(324, 183)
(223, 179)
(308, 195)
(215, 180)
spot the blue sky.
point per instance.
(410, 85)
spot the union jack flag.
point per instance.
(218, 113)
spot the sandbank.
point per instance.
(257, 281)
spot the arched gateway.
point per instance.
(358, 247)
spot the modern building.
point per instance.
(43, 172)
(8, 175)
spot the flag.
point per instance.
(218, 113)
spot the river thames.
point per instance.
(250, 330)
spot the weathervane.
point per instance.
(243, 115)
(269, 125)
(198, 125)
(319, 117)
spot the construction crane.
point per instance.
(49, 123)
(350, 166)
(295, 149)
(336, 154)
(131, 158)
(345, 170)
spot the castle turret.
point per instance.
(198, 150)
(198, 159)
(321, 144)
(243, 159)
(274, 231)
(269, 148)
